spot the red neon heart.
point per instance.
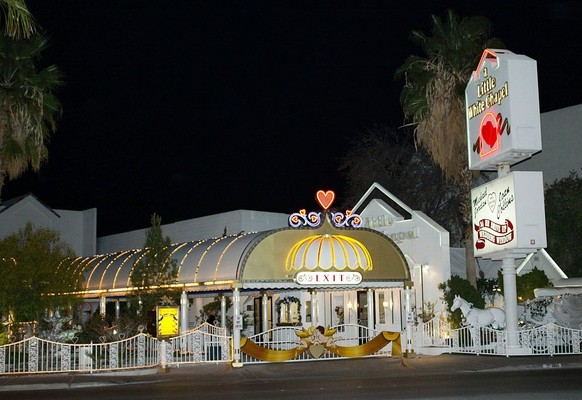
(325, 199)
(489, 133)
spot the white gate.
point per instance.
(202, 344)
(286, 338)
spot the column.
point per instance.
(313, 307)
(371, 313)
(510, 295)
(409, 319)
(183, 312)
(264, 312)
(237, 325)
(223, 311)
(103, 305)
(117, 310)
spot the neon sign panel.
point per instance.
(314, 219)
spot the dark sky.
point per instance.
(188, 108)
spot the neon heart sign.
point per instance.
(325, 198)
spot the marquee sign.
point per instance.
(502, 110)
(509, 216)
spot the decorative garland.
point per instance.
(287, 301)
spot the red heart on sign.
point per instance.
(325, 199)
(489, 133)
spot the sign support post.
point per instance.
(510, 296)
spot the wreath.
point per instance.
(287, 301)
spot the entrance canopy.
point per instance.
(287, 258)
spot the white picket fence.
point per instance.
(205, 343)
(437, 336)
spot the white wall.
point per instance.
(561, 145)
(77, 228)
(197, 229)
(424, 243)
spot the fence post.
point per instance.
(2, 359)
(141, 349)
(33, 354)
(65, 357)
(114, 355)
(162, 351)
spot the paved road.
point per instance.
(442, 377)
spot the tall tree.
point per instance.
(16, 19)
(155, 272)
(28, 106)
(388, 156)
(433, 100)
(34, 277)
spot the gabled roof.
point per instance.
(377, 191)
(5, 205)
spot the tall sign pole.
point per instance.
(503, 128)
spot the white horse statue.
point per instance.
(476, 316)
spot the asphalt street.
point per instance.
(426, 377)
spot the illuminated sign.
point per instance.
(314, 219)
(502, 110)
(329, 252)
(167, 321)
(328, 278)
(325, 198)
(509, 215)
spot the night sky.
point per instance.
(188, 108)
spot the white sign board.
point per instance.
(328, 278)
(502, 110)
(509, 216)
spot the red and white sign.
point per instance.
(509, 215)
(328, 278)
(502, 110)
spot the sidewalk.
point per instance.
(415, 365)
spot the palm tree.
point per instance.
(433, 99)
(28, 106)
(17, 20)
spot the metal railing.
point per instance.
(35, 355)
(434, 333)
(550, 339)
(285, 338)
(201, 344)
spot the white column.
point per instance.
(183, 312)
(313, 307)
(370, 313)
(117, 309)
(236, 328)
(103, 305)
(409, 319)
(223, 311)
(510, 295)
(264, 312)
